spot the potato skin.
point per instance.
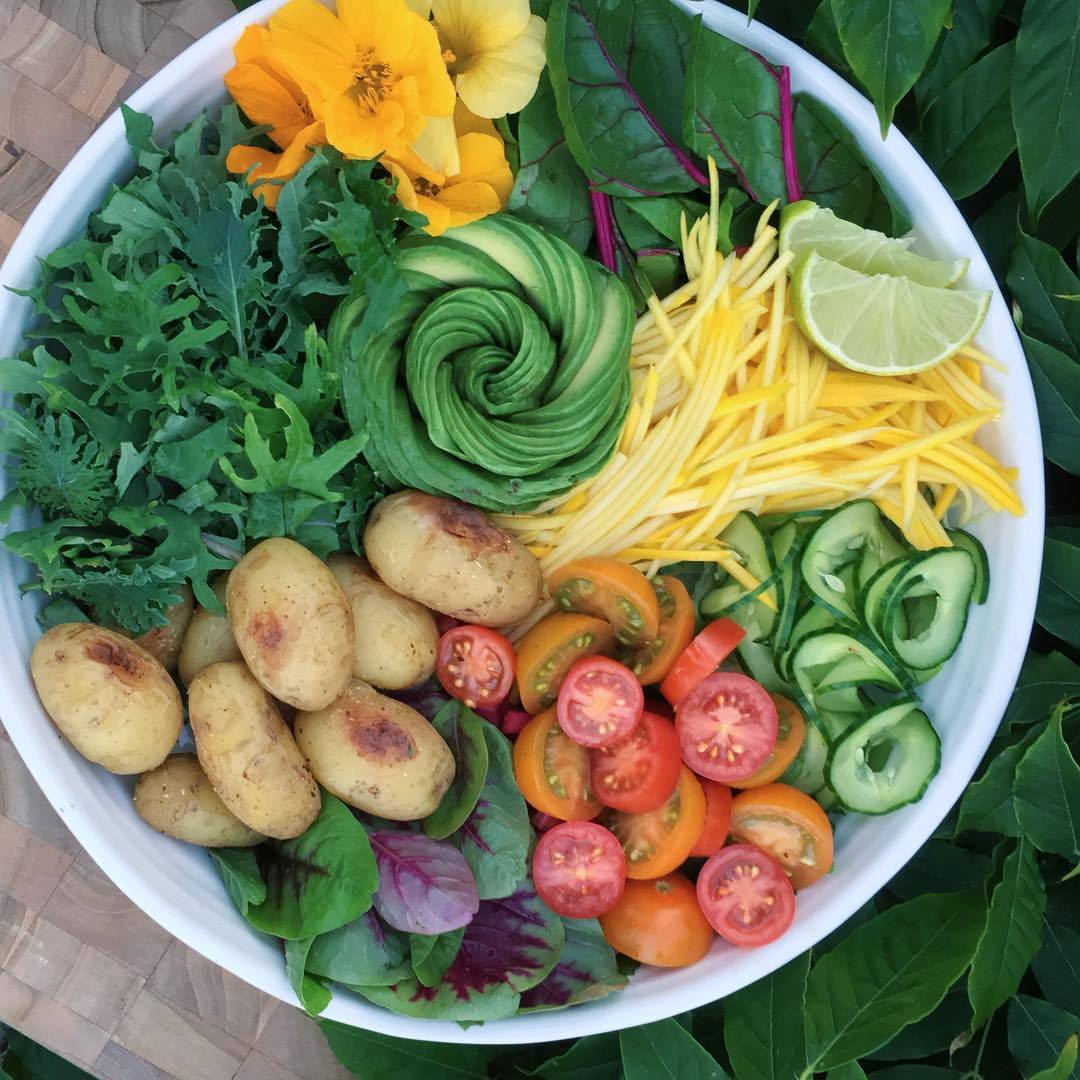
(209, 638)
(177, 799)
(292, 623)
(248, 754)
(396, 638)
(163, 642)
(376, 754)
(113, 701)
(450, 557)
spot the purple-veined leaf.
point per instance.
(586, 970)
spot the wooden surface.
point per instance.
(82, 970)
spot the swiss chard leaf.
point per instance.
(318, 882)
(365, 952)
(620, 106)
(463, 731)
(586, 970)
(666, 1049)
(1048, 792)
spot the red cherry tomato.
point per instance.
(600, 702)
(746, 895)
(717, 820)
(475, 665)
(641, 772)
(727, 726)
(701, 658)
(579, 869)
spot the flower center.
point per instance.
(372, 78)
(426, 188)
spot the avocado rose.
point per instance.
(502, 376)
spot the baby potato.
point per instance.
(163, 642)
(292, 623)
(113, 701)
(177, 799)
(249, 754)
(209, 638)
(376, 754)
(396, 637)
(450, 557)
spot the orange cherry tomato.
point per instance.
(652, 661)
(552, 771)
(610, 590)
(787, 824)
(790, 732)
(714, 831)
(701, 658)
(659, 922)
(548, 651)
(657, 841)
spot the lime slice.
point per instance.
(805, 226)
(881, 324)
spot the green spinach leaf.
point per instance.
(463, 731)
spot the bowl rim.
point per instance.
(613, 1012)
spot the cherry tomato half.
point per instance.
(714, 831)
(658, 841)
(600, 702)
(790, 732)
(790, 826)
(727, 727)
(641, 772)
(610, 590)
(475, 665)
(659, 922)
(701, 658)
(579, 869)
(652, 661)
(552, 771)
(745, 895)
(547, 652)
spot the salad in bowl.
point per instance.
(510, 509)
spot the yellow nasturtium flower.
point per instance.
(494, 49)
(437, 146)
(481, 187)
(271, 166)
(373, 72)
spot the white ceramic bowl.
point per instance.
(176, 884)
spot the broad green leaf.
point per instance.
(1057, 965)
(1012, 935)
(239, 870)
(463, 732)
(958, 47)
(1048, 792)
(666, 1051)
(851, 1071)
(1065, 1065)
(967, 134)
(1045, 89)
(1038, 277)
(763, 1024)
(890, 972)
(918, 1072)
(822, 37)
(367, 1054)
(1045, 680)
(309, 989)
(994, 228)
(887, 44)
(1058, 609)
(940, 867)
(27, 1060)
(933, 1033)
(1038, 1032)
(366, 952)
(988, 804)
(594, 1058)
(432, 954)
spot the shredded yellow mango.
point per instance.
(734, 409)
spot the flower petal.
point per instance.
(483, 158)
(437, 146)
(468, 202)
(314, 46)
(467, 122)
(265, 99)
(468, 27)
(252, 45)
(504, 80)
(421, 7)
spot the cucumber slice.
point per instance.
(757, 659)
(839, 699)
(732, 601)
(843, 553)
(854, 662)
(828, 801)
(786, 546)
(924, 636)
(973, 546)
(813, 619)
(752, 547)
(807, 771)
(886, 761)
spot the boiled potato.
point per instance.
(113, 701)
(249, 754)
(396, 637)
(376, 754)
(176, 799)
(163, 642)
(449, 557)
(292, 623)
(209, 638)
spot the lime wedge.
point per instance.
(878, 323)
(805, 226)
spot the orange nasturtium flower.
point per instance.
(481, 187)
(373, 72)
(495, 51)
